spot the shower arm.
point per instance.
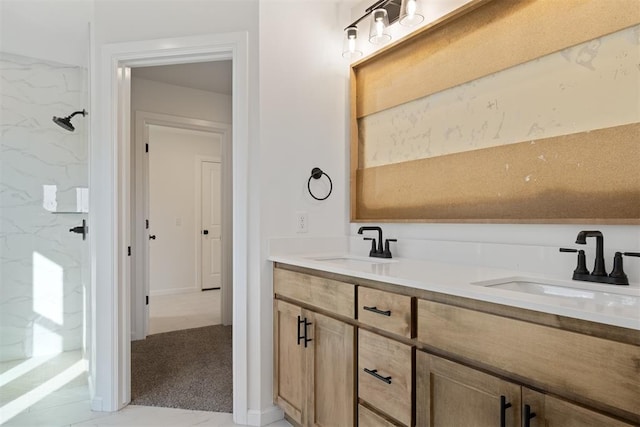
(83, 112)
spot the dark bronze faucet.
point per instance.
(599, 273)
(598, 268)
(378, 252)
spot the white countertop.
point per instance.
(620, 307)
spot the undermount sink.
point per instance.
(352, 260)
(609, 295)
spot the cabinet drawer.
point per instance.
(367, 418)
(559, 361)
(331, 295)
(385, 310)
(385, 371)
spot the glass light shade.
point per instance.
(349, 48)
(410, 13)
(379, 30)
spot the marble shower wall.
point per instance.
(589, 86)
(43, 172)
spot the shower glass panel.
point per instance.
(44, 268)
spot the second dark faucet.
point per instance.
(378, 252)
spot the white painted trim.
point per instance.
(264, 417)
(109, 294)
(123, 180)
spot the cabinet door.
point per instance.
(330, 372)
(449, 394)
(289, 385)
(385, 369)
(552, 412)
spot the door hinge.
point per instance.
(146, 148)
(147, 299)
(128, 250)
(146, 224)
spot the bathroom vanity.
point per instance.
(417, 343)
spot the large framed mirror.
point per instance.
(503, 111)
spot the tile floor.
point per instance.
(52, 391)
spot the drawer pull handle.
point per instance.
(375, 310)
(306, 340)
(504, 405)
(528, 415)
(300, 336)
(374, 372)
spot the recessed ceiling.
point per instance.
(209, 76)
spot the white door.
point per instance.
(211, 229)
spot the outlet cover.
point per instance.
(302, 222)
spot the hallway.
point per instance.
(183, 311)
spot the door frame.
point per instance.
(110, 351)
(140, 286)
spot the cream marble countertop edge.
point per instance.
(458, 280)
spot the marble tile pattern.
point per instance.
(41, 262)
(69, 404)
(589, 86)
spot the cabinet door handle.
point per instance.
(300, 336)
(504, 405)
(528, 415)
(306, 340)
(374, 373)
(375, 310)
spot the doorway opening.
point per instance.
(182, 274)
(111, 368)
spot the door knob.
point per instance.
(152, 237)
(205, 232)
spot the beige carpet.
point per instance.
(188, 369)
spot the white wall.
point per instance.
(52, 30)
(303, 124)
(158, 97)
(174, 167)
(119, 21)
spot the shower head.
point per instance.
(65, 122)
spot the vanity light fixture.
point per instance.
(410, 13)
(349, 48)
(379, 28)
(383, 13)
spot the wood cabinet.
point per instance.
(313, 366)
(368, 418)
(553, 412)
(571, 364)
(439, 360)
(385, 375)
(290, 381)
(329, 372)
(450, 394)
(387, 311)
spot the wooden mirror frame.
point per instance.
(493, 35)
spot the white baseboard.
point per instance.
(264, 417)
(173, 291)
(96, 404)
